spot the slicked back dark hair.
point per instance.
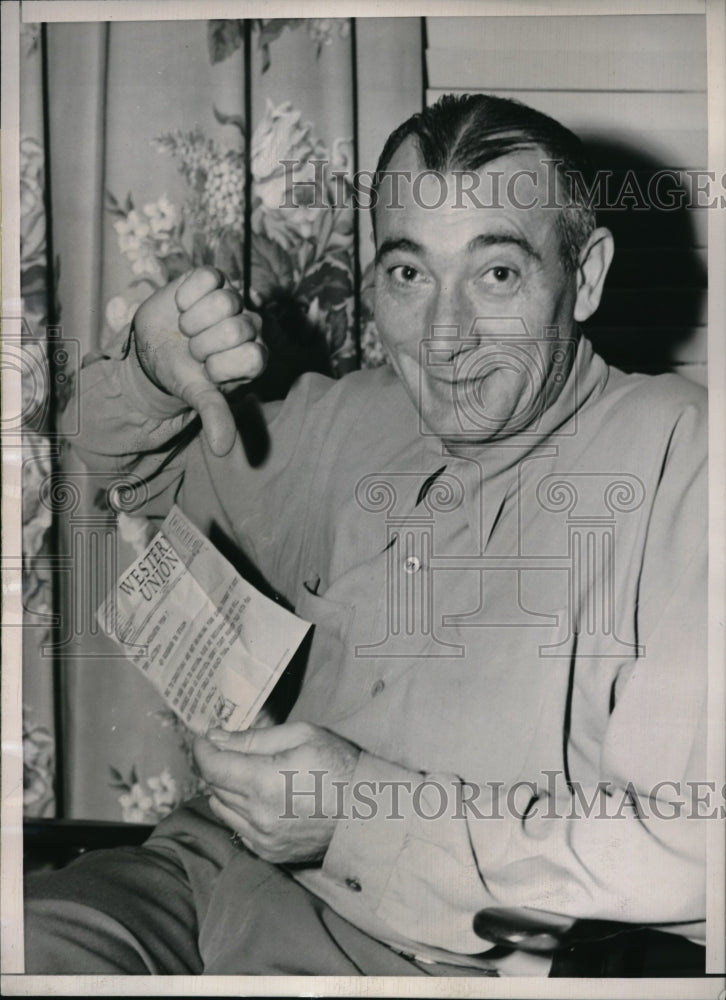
(463, 132)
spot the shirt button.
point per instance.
(353, 884)
(377, 688)
(412, 564)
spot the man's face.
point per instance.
(474, 304)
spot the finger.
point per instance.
(231, 770)
(195, 285)
(247, 361)
(223, 336)
(245, 833)
(266, 741)
(236, 801)
(241, 742)
(217, 420)
(217, 305)
(245, 815)
(264, 719)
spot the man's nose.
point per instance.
(450, 315)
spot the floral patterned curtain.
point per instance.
(137, 144)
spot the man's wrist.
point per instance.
(137, 354)
(152, 398)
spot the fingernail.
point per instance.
(218, 735)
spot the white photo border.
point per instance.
(13, 982)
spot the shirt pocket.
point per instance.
(319, 701)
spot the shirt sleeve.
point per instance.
(129, 427)
(629, 847)
(138, 436)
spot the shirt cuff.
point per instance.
(139, 389)
(371, 832)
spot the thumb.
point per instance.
(217, 420)
(268, 741)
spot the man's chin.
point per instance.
(475, 421)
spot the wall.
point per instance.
(633, 88)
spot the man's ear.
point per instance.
(595, 258)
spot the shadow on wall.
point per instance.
(295, 346)
(653, 312)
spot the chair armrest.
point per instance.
(55, 842)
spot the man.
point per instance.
(501, 544)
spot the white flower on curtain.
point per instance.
(163, 219)
(164, 794)
(137, 248)
(136, 804)
(148, 237)
(145, 800)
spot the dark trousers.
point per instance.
(190, 901)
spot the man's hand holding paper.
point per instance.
(280, 789)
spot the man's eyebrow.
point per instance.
(392, 245)
(497, 239)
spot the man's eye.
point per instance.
(500, 278)
(404, 274)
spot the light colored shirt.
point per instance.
(515, 635)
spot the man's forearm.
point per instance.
(127, 425)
